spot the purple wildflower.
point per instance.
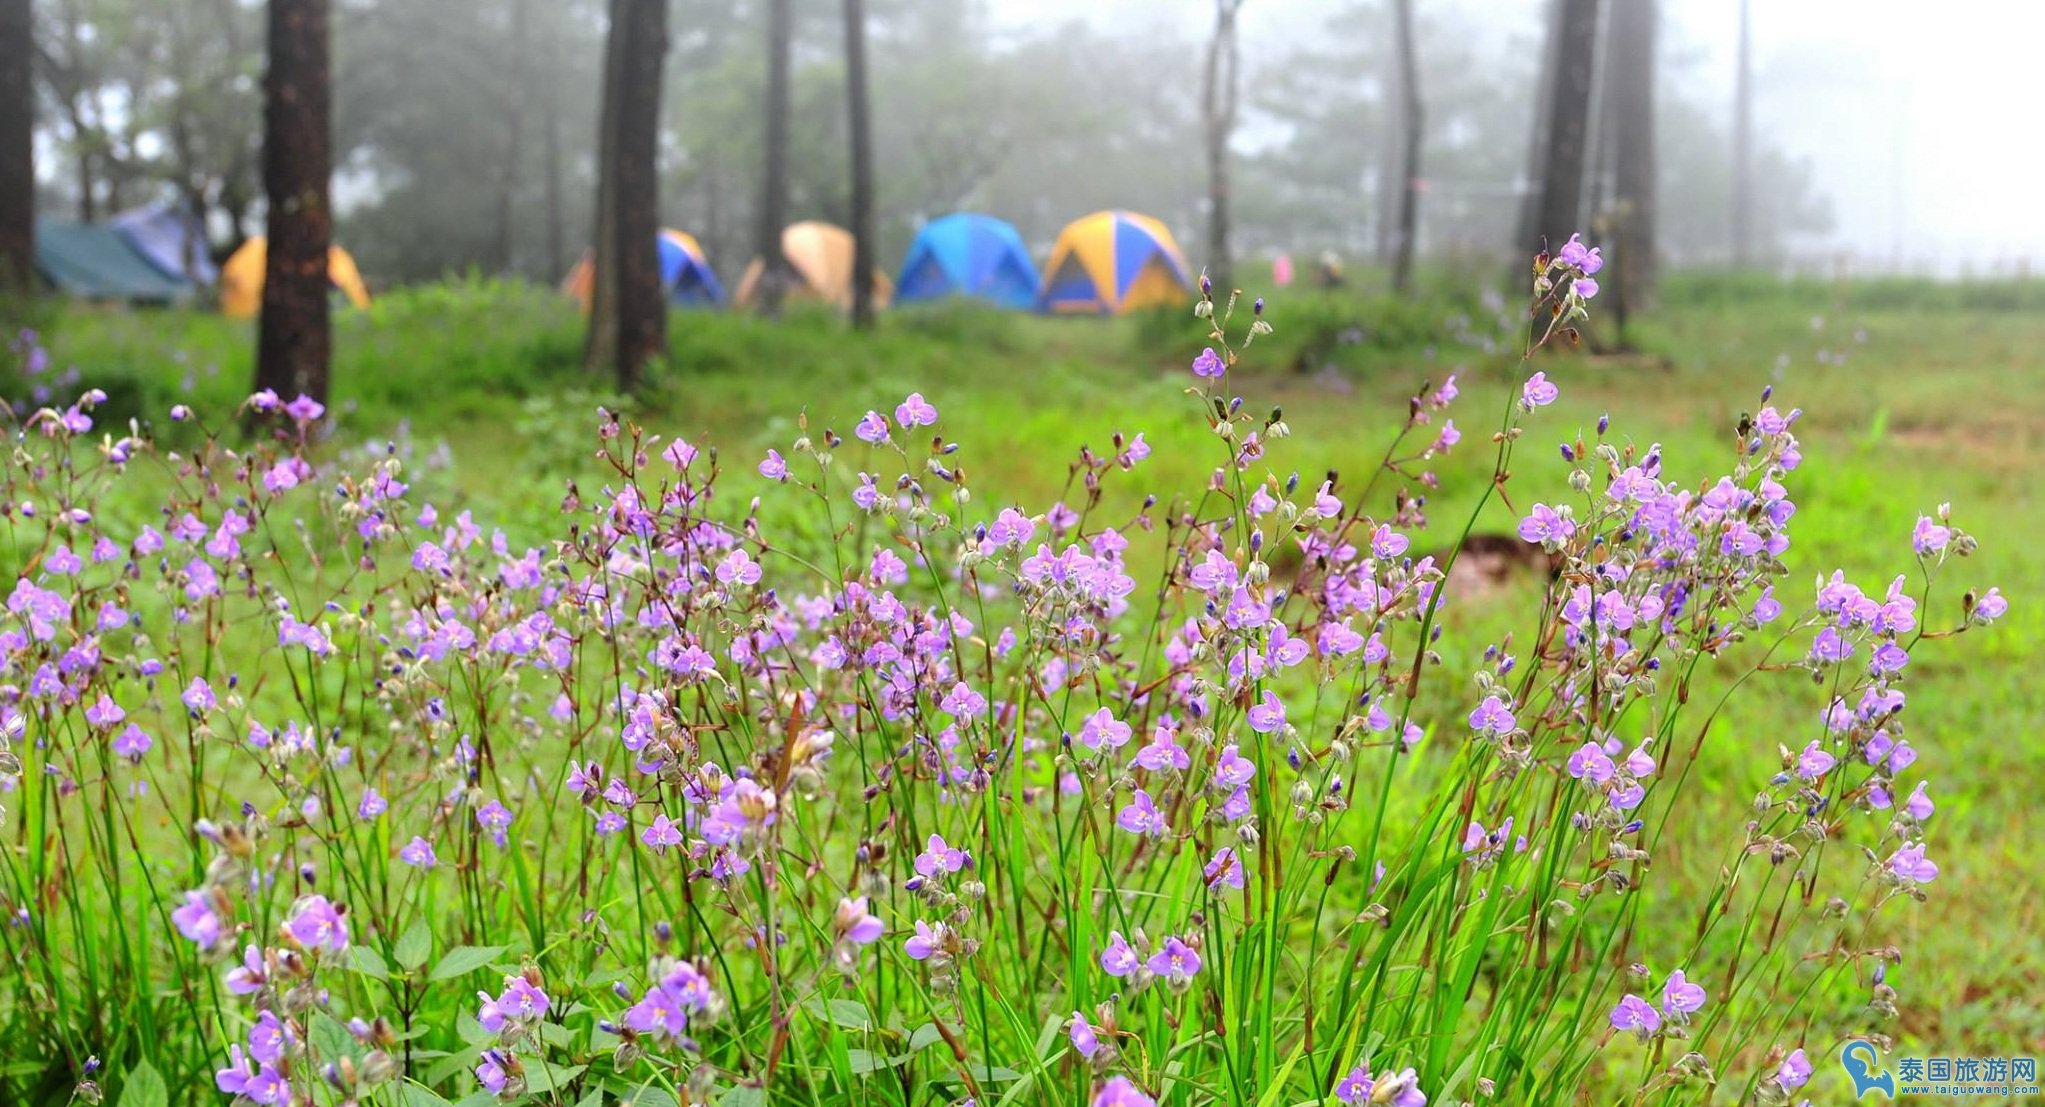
(1117, 959)
(1680, 997)
(872, 428)
(938, 858)
(855, 924)
(915, 412)
(318, 925)
(1538, 392)
(1492, 717)
(1795, 1071)
(1910, 863)
(1119, 1092)
(1175, 961)
(1268, 716)
(1637, 1015)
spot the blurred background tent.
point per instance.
(1112, 262)
(821, 255)
(170, 238)
(684, 272)
(968, 254)
(241, 279)
(93, 262)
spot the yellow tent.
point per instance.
(822, 257)
(241, 279)
(1112, 262)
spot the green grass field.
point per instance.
(1914, 395)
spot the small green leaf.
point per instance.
(462, 960)
(368, 962)
(1277, 1089)
(923, 1037)
(144, 1087)
(865, 1060)
(997, 1074)
(547, 1078)
(848, 1013)
(419, 1095)
(414, 946)
(743, 1096)
(447, 1067)
(332, 1040)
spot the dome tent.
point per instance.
(968, 254)
(241, 278)
(171, 238)
(821, 256)
(684, 272)
(92, 261)
(1113, 262)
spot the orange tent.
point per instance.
(241, 279)
(821, 255)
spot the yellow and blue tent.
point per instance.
(685, 273)
(967, 254)
(1112, 262)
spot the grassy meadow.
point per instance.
(1913, 395)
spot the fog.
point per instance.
(1887, 137)
(1920, 122)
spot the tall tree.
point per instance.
(1562, 134)
(628, 315)
(294, 345)
(773, 212)
(1406, 224)
(1743, 144)
(17, 150)
(1218, 118)
(557, 233)
(512, 170)
(1630, 93)
(861, 122)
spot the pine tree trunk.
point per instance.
(600, 349)
(1218, 111)
(642, 310)
(557, 232)
(295, 345)
(1561, 164)
(1631, 88)
(629, 314)
(1410, 136)
(17, 151)
(502, 247)
(773, 213)
(862, 164)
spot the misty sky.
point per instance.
(1921, 122)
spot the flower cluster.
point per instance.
(898, 785)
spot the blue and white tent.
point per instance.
(170, 238)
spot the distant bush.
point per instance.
(1705, 289)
